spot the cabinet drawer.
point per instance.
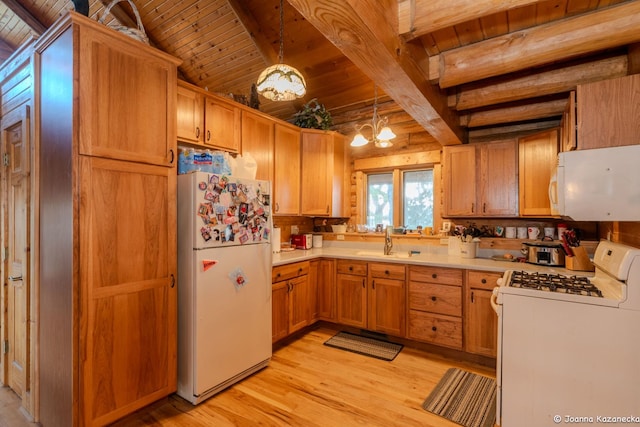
(387, 271)
(289, 271)
(446, 276)
(483, 279)
(436, 329)
(443, 299)
(346, 266)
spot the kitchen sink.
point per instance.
(380, 254)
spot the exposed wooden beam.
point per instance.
(419, 17)
(16, 7)
(361, 29)
(535, 111)
(249, 22)
(606, 28)
(510, 131)
(543, 83)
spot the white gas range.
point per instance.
(569, 346)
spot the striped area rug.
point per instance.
(363, 345)
(465, 398)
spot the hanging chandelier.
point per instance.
(381, 134)
(281, 82)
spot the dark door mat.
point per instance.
(465, 398)
(371, 347)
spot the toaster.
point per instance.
(302, 241)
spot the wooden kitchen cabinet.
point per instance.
(481, 179)
(207, 120)
(607, 113)
(386, 298)
(538, 155)
(291, 301)
(286, 175)
(435, 305)
(568, 138)
(481, 321)
(107, 208)
(258, 133)
(322, 273)
(323, 173)
(351, 291)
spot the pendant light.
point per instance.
(381, 132)
(281, 82)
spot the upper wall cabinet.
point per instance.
(538, 155)
(207, 120)
(286, 174)
(323, 173)
(481, 179)
(608, 113)
(258, 133)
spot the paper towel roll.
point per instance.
(317, 240)
(275, 240)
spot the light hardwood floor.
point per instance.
(310, 384)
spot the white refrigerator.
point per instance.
(224, 282)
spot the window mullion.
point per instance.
(397, 197)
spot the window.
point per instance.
(414, 198)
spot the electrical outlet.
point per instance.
(294, 229)
(340, 237)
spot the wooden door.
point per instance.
(298, 303)
(190, 117)
(538, 156)
(482, 333)
(286, 175)
(222, 125)
(279, 311)
(316, 173)
(387, 306)
(257, 139)
(460, 181)
(498, 179)
(128, 294)
(352, 300)
(15, 141)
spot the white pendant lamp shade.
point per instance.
(280, 82)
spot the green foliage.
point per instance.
(313, 116)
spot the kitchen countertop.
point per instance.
(427, 259)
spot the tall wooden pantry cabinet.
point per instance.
(107, 223)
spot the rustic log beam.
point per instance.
(419, 17)
(361, 29)
(510, 131)
(247, 19)
(543, 83)
(606, 28)
(535, 111)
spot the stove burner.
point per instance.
(576, 285)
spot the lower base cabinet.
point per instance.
(481, 322)
(323, 289)
(435, 306)
(290, 310)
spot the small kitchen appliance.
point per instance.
(302, 241)
(543, 253)
(568, 345)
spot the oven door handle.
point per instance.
(494, 301)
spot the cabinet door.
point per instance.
(127, 101)
(257, 139)
(286, 176)
(498, 195)
(317, 173)
(190, 122)
(387, 306)
(460, 181)
(568, 124)
(222, 125)
(352, 300)
(481, 335)
(279, 311)
(299, 313)
(326, 290)
(538, 156)
(127, 269)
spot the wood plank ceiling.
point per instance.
(447, 71)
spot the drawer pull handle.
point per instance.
(433, 328)
(386, 272)
(434, 276)
(433, 298)
(350, 268)
(484, 281)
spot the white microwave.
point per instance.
(602, 184)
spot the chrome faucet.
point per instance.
(388, 244)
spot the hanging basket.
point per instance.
(136, 33)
